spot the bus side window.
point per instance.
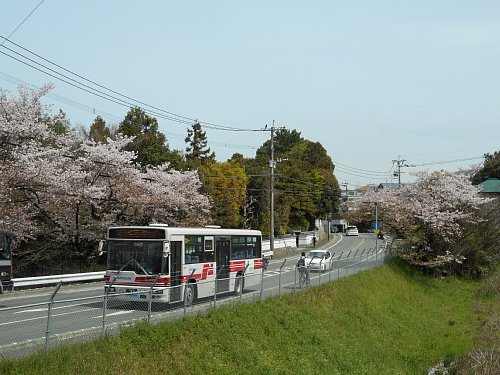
(192, 254)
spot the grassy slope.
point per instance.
(384, 321)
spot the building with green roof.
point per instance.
(490, 186)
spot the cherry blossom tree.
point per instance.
(444, 202)
(59, 189)
(19, 133)
(432, 214)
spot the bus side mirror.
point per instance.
(100, 248)
(166, 249)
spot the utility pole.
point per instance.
(346, 198)
(345, 184)
(399, 163)
(272, 165)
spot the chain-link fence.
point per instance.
(53, 322)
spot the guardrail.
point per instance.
(96, 276)
(54, 279)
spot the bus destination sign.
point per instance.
(137, 233)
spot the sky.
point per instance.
(372, 81)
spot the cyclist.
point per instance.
(301, 265)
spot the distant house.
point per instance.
(490, 187)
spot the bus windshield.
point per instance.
(142, 257)
(4, 247)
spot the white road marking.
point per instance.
(45, 308)
(44, 317)
(115, 313)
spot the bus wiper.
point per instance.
(130, 261)
(139, 265)
(125, 265)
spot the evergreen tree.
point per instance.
(99, 132)
(59, 123)
(149, 143)
(490, 169)
(197, 152)
(305, 187)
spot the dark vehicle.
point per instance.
(5, 262)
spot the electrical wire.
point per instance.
(337, 164)
(364, 175)
(106, 115)
(113, 98)
(87, 88)
(444, 162)
(60, 98)
(22, 22)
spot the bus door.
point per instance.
(175, 269)
(222, 250)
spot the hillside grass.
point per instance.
(390, 320)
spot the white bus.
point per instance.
(174, 264)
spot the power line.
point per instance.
(22, 22)
(445, 162)
(85, 87)
(94, 91)
(359, 169)
(59, 98)
(103, 114)
(364, 175)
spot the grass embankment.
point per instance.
(385, 321)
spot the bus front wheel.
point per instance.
(190, 294)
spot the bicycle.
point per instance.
(303, 277)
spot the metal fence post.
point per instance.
(295, 279)
(279, 282)
(361, 259)
(215, 285)
(338, 269)
(185, 287)
(262, 283)
(330, 269)
(105, 305)
(151, 296)
(347, 258)
(320, 272)
(242, 280)
(49, 315)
